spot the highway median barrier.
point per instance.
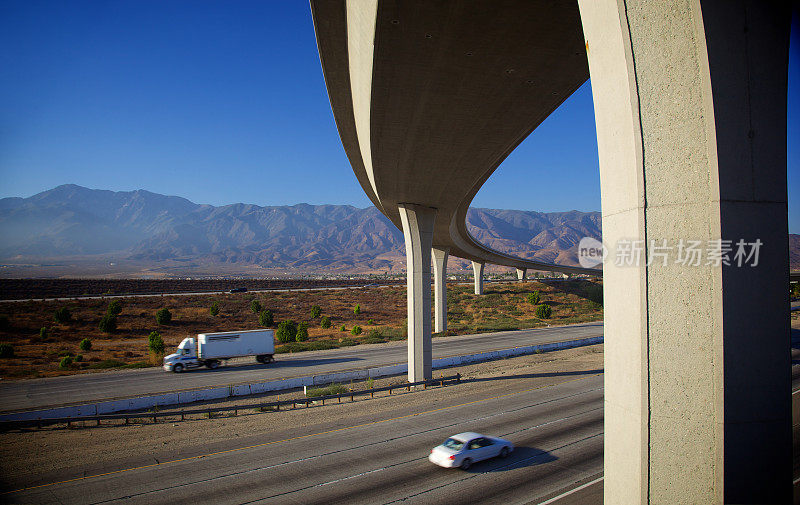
(116, 406)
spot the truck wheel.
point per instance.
(269, 359)
(178, 368)
(212, 364)
(261, 358)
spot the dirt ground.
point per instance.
(503, 306)
(26, 456)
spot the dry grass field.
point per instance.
(503, 306)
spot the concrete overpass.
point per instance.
(690, 106)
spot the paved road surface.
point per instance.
(558, 432)
(40, 393)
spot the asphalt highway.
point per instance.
(557, 432)
(40, 393)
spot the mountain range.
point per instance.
(145, 228)
(71, 221)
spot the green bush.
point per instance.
(155, 343)
(357, 309)
(163, 316)
(356, 330)
(255, 306)
(343, 328)
(6, 351)
(302, 332)
(265, 318)
(43, 333)
(85, 345)
(79, 358)
(534, 298)
(62, 315)
(287, 331)
(371, 322)
(114, 308)
(544, 311)
(108, 324)
(65, 362)
(214, 310)
(315, 311)
(595, 294)
(326, 322)
(333, 389)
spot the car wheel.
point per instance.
(212, 364)
(466, 464)
(504, 452)
(177, 368)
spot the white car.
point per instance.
(464, 449)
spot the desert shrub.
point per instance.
(255, 307)
(326, 322)
(108, 324)
(595, 294)
(374, 337)
(287, 331)
(163, 316)
(79, 358)
(302, 332)
(343, 328)
(265, 318)
(544, 311)
(85, 345)
(348, 342)
(65, 362)
(371, 322)
(333, 389)
(114, 308)
(62, 315)
(43, 333)
(155, 343)
(357, 309)
(6, 351)
(315, 311)
(214, 309)
(356, 330)
(534, 298)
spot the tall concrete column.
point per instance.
(440, 289)
(521, 274)
(477, 272)
(418, 232)
(690, 106)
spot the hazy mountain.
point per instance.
(139, 225)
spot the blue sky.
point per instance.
(224, 102)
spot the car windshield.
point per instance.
(452, 443)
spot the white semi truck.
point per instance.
(209, 349)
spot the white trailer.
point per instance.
(209, 349)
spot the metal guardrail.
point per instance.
(210, 411)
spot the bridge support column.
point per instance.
(477, 272)
(521, 274)
(440, 289)
(418, 232)
(690, 108)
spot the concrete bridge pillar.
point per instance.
(440, 289)
(477, 271)
(418, 223)
(521, 274)
(690, 107)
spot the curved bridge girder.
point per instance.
(431, 97)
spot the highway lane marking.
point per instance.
(191, 458)
(575, 490)
(375, 470)
(504, 467)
